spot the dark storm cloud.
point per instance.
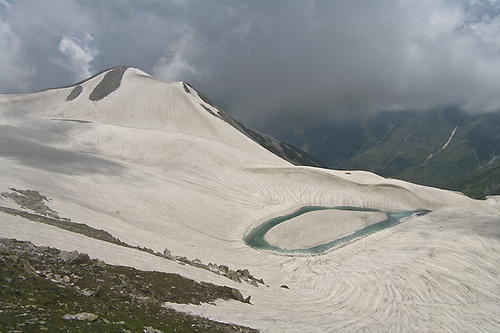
(268, 63)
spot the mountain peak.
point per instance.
(128, 97)
(109, 83)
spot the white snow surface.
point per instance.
(153, 168)
(319, 227)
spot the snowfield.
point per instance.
(149, 164)
(319, 227)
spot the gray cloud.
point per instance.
(79, 53)
(268, 63)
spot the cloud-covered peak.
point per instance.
(268, 63)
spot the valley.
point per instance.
(443, 147)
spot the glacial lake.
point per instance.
(255, 237)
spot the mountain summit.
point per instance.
(145, 173)
(126, 96)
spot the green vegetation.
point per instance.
(44, 289)
(478, 184)
(431, 147)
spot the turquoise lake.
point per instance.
(255, 237)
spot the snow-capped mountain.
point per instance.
(155, 165)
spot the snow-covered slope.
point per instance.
(156, 166)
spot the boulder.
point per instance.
(101, 264)
(67, 256)
(81, 316)
(223, 268)
(74, 257)
(239, 297)
(245, 273)
(167, 254)
(233, 276)
(83, 258)
(151, 329)
(28, 268)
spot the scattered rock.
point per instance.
(200, 265)
(167, 254)
(67, 256)
(30, 199)
(87, 292)
(32, 321)
(83, 258)
(76, 287)
(233, 276)
(184, 260)
(28, 268)
(150, 329)
(81, 316)
(284, 286)
(239, 297)
(245, 273)
(33, 200)
(101, 264)
(74, 257)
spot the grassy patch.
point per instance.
(38, 288)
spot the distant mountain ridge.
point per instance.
(433, 147)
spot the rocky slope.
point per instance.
(45, 289)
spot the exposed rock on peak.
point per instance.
(109, 83)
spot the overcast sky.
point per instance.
(267, 62)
